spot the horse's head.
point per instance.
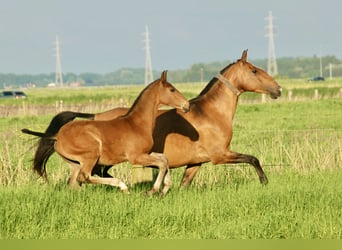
(169, 95)
(247, 77)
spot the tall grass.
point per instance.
(299, 145)
(305, 136)
(291, 206)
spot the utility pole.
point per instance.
(143, 174)
(148, 61)
(320, 66)
(272, 68)
(59, 76)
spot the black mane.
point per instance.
(213, 81)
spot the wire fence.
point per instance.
(299, 148)
(29, 109)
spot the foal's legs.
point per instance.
(159, 160)
(167, 182)
(75, 169)
(84, 176)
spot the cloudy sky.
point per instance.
(101, 36)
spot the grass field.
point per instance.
(299, 144)
(292, 206)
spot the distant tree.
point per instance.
(288, 67)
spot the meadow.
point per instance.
(298, 142)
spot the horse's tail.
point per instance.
(57, 122)
(44, 151)
(46, 143)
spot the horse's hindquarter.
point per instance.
(76, 141)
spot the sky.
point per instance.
(105, 35)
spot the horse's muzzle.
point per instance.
(277, 93)
(185, 107)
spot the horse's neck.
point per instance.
(222, 99)
(144, 111)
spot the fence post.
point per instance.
(316, 94)
(340, 92)
(24, 108)
(141, 174)
(263, 98)
(61, 106)
(290, 95)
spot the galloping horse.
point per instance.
(203, 134)
(85, 143)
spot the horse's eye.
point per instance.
(254, 71)
(172, 90)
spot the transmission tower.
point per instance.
(148, 62)
(272, 67)
(59, 76)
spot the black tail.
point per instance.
(57, 122)
(46, 143)
(30, 132)
(44, 151)
(63, 118)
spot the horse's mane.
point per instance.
(211, 83)
(139, 96)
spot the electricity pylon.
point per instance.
(148, 61)
(59, 75)
(272, 68)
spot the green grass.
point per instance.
(292, 206)
(299, 145)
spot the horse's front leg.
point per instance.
(159, 160)
(189, 173)
(234, 157)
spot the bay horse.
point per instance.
(204, 133)
(86, 143)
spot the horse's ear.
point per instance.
(163, 76)
(244, 56)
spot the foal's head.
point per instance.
(248, 77)
(169, 95)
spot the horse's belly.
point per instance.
(181, 151)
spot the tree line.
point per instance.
(288, 67)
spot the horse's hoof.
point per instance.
(151, 192)
(263, 180)
(125, 191)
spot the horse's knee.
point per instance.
(163, 162)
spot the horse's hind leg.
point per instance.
(233, 157)
(72, 181)
(189, 174)
(116, 182)
(84, 176)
